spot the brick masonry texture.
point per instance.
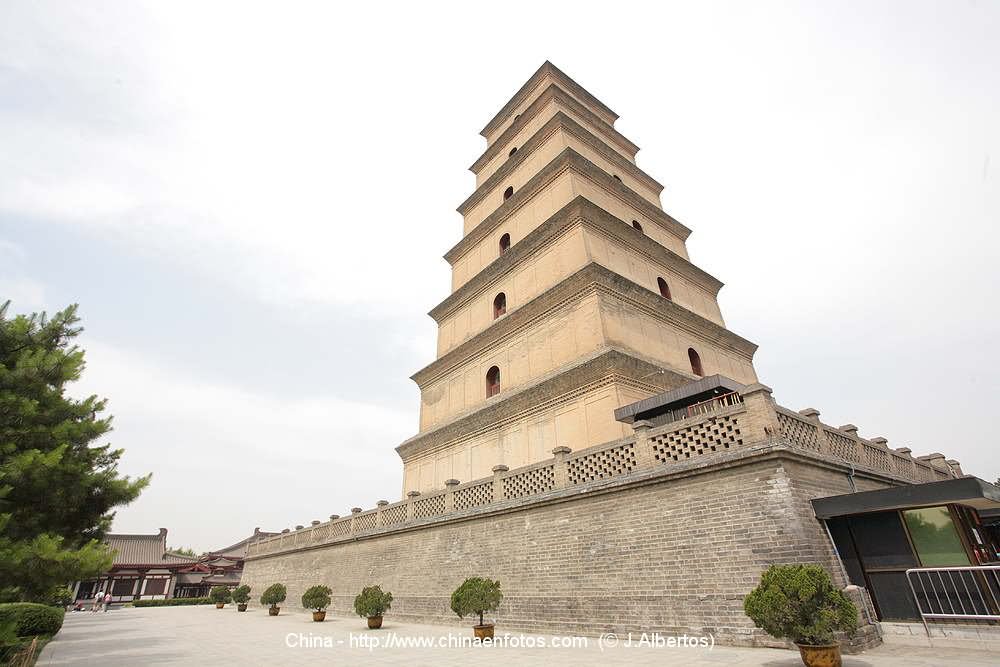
(673, 556)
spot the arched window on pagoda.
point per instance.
(508, 192)
(617, 177)
(492, 382)
(636, 225)
(664, 288)
(499, 305)
(695, 362)
(504, 243)
(512, 151)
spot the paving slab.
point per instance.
(205, 635)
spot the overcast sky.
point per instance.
(250, 204)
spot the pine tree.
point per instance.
(58, 487)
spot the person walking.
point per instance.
(98, 601)
(107, 601)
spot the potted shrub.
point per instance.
(220, 596)
(800, 603)
(317, 598)
(477, 596)
(241, 595)
(372, 603)
(272, 597)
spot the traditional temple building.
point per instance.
(593, 435)
(145, 569)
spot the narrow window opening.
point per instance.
(499, 305)
(617, 177)
(664, 288)
(492, 382)
(504, 243)
(512, 151)
(508, 192)
(636, 225)
(692, 357)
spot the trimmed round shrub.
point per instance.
(372, 602)
(31, 618)
(220, 595)
(316, 597)
(476, 596)
(799, 602)
(241, 594)
(274, 595)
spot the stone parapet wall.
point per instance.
(697, 439)
(672, 553)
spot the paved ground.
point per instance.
(207, 636)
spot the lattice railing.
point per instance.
(365, 521)
(428, 507)
(876, 457)
(712, 435)
(476, 495)
(394, 514)
(602, 464)
(721, 426)
(530, 482)
(798, 430)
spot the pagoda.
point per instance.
(572, 295)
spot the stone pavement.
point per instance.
(207, 636)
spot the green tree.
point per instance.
(57, 486)
(182, 551)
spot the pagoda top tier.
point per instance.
(543, 77)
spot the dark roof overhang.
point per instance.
(690, 393)
(969, 491)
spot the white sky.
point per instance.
(250, 202)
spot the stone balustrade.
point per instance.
(754, 420)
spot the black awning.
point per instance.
(687, 394)
(970, 491)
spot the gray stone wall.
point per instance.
(674, 556)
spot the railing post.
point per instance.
(498, 471)
(560, 469)
(380, 504)
(852, 432)
(411, 497)
(762, 418)
(911, 472)
(449, 496)
(644, 456)
(355, 511)
(812, 414)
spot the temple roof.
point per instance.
(239, 550)
(143, 549)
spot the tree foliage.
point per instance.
(476, 596)
(58, 488)
(220, 594)
(274, 595)
(799, 602)
(183, 551)
(241, 594)
(372, 602)
(316, 597)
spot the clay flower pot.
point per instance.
(820, 656)
(220, 605)
(319, 616)
(483, 631)
(273, 611)
(242, 606)
(374, 622)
